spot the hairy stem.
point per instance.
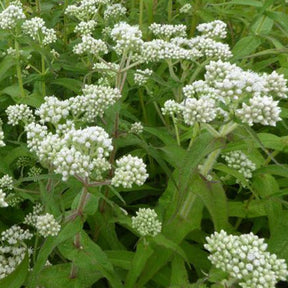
(18, 69)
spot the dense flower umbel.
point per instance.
(18, 113)
(6, 182)
(240, 162)
(10, 16)
(15, 234)
(37, 30)
(146, 222)
(141, 76)
(214, 29)
(90, 45)
(47, 225)
(168, 31)
(245, 258)
(114, 12)
(85, 28)
(129, 170)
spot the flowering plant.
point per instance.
(143, 145)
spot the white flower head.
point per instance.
(129, 170)
(10, 16)
(146, 222)
(47, 225)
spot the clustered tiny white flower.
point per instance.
(15, 234)
(6, 182)
(53, 110)
(240, 162)
(146, 222)
(10, 258)
(85, 28)
(171, 108)
(167, 31)
(136, 128)
(94, 101)
(263, 110)
(141, 76)
(10, 16)
(31, 218)
(129, 170)
(86, 9)
(185, 8)
(202, 110)
(2, 143)
(114, 12)
(214, 29)
(211, 48)
(276, 85)
(47, 225)
(245, 258)
(19, 112)
(3, 203)
(37, 30)
(158, 49)
(127, 38)
(90, 45)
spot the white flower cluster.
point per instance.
(10, 16)
(141, 76)
(31, 218)
(76, 153)
(86, 9)
(129, 170)
(19, 112)
(3, 203)
(6, 182)
(53, 110)
(37, 30)
(167, 31)
(245, 258)
(146, 222)
(210, 48)
(47, 225)
(90, 45)
(229, 91)
(114, 12)
(136, 128)
(202, 110)
(263, 110)
(240, 162)
(214, 29)
(158, 49)
(10, 258)
(15, 234)
(85, 28)
(94, 101)
(171, 108)
(128, 38)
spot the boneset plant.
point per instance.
(108, 119)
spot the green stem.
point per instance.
(170, 10)
(195, 17)
(18, 69)
(141, 9)
(65, 24)
(186, 207)
(35, 247)
(43, 75)
(176, 130)
(209, 162)
(140, 93)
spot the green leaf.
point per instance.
(49, 245)
(5, 65)
(143, 252)
(253, 3)
(120, 258)
(161, 240)
(265, 185)
(71, 84)
(179, 276)
(92, 255)
(262, 26)
(245, 46)
(18, 276)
